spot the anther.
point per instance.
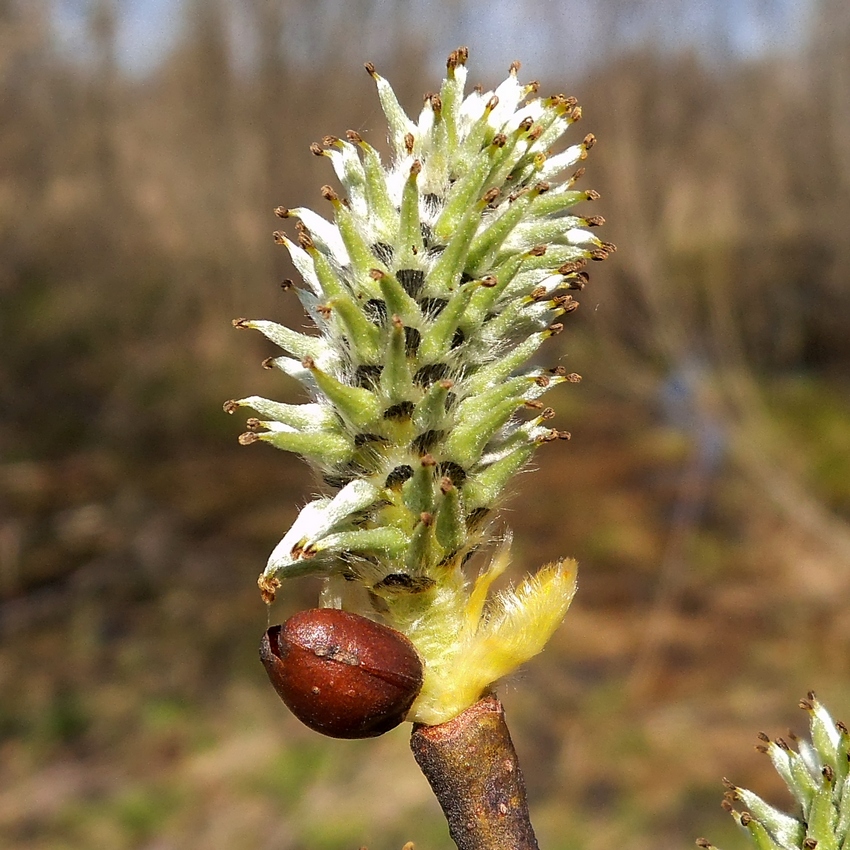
(281, 212)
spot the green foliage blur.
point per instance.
(706, 491)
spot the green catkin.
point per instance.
(435, 281)
(816, 776)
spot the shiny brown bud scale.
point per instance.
(342, 674)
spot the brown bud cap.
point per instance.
(316, 149)
(354, 137)
(341, 674)
(281, 212)
(328, 193)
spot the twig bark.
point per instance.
(472, 767)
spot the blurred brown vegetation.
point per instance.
(706, 492)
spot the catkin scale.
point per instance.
(342, 674)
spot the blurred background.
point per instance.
(706, 491)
